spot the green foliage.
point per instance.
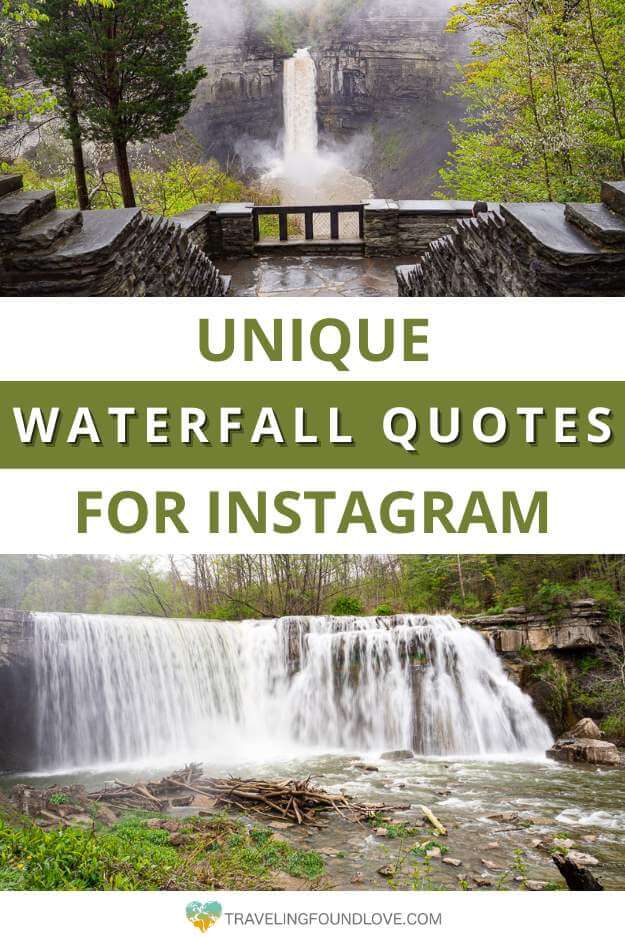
(59, 798)
(169, 190)
(614, 726)
(127, 858)
(133, 856)
(385, 609)
(424, 848)
(545, 92)
(347, 606)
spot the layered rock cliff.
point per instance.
(382, 76)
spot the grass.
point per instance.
(216, 852)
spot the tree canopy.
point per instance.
(545, 90)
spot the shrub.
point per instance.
(614, 727)
(384, 610)
(347, 606)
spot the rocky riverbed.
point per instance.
(504, 819)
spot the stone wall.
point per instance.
(407, 227)
(121, 252)
(528, 249)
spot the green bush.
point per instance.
(384, 610)
(614, 727)
(347, 606)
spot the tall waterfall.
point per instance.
(115, 689)
(301, 135)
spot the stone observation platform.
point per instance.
(45, 251)
(457, 248)
(528, 249)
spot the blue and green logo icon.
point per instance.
(203, 915)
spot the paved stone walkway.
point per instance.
(312, 276)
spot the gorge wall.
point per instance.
(382, 75)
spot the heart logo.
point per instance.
(203, 915)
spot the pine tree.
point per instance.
(130, 71)
(52, 51)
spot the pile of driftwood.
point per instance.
(297, 802)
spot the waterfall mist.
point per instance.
(116, 690)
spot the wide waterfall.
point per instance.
(115, 689)
(301, 135)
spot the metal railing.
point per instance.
(337, 222)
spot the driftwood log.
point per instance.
(578, 879)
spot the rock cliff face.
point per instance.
(16, 692)
(241, 97)
(386, 74)
(381, 72)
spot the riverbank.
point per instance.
(504, 820)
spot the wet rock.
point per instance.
(490, 865)
(398, 755)
(451, 861)
(586, 729)
(171, 826)
(535, 885)
(284, 882)
(365, 767)
(492, 845)
(178, 840)
(482, 881)
(506, 816)
(155, 823)
(563, 843)
(386, 871)
(80, 820)
(106, 815)
(357, 878)
(582, 859)
(381, 832)
(434, 853)
(576, 749)
(279, 825)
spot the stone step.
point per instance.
(545, 225)
(45, 233)
(598, 221)
(613, 195)
(21, 208)
(10, 182)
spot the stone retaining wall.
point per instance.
(121, 252)
(533, 249)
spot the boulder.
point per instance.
(593, 751)
(586, 729)
(398, 755)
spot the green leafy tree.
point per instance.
(129, 70)
(545, 91)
